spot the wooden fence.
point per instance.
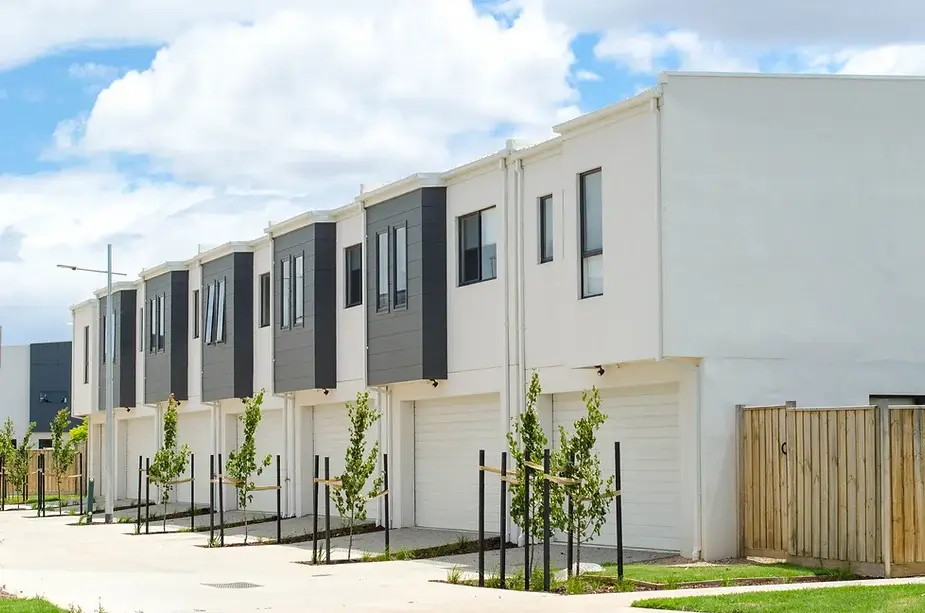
(834, 486)
(70, 483)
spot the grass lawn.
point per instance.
(655, 573)
(28, 605)
(859, 599)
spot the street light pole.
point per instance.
(109, 483)
(109, 348)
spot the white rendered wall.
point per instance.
(195, 344)
(14, 386)
(263, 337)
(84, 396)
(351, 331)
(141, 343)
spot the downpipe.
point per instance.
(506, 233)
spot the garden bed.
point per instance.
(286, 540)
(461, 546)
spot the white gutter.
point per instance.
(506, 233)
(521, 311)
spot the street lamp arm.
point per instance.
(102, 272)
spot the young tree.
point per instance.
(17, 468)
(527, 443)
(350, 498)
(79, 434)
(63, 450)
(592, 495)
(241, 465)
(7, 434)
(171, 460)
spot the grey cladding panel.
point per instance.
(305, 354)
(49, 382)
(227, 365)
(123, 362)
(166, 369)
(408, 343)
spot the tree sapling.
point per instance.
(241, 466)
(63, 450)
(171, 459)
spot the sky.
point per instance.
(164, 126)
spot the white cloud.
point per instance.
(68, 217)
(92, 71)
(301, 98)
(587, 75)
(648, 52)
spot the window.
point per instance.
(298, 300)
(161, 322)
(104, 339)
(220, 313)
(53, 397)
(285, 293)
(141, 329)
(264, 300)
(478, 259)
(400, 268)
(545, 214)
(152, 333)
(195, 313)
(353, 264)
(210, 314)
(592, 237)
(86, 354)
(382, 271)
(45, 443)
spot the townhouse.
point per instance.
(35, 383)
(715, 240)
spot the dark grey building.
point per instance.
(406, 274)
(165, 342)
(305, 295)
(49, 382)
(123, 362)
(227, 335)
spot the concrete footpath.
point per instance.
(103, 566)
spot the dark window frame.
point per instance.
(285, 293)
(480, 277)
(546, 228)
(221, 288)
(298, 290)
(266, 302)
(208, 331)
(141, 329)
(584, 252)
(196, 310)
(152, 322)
(399, 301)
(86, 355)
(162, 323)
(103, 340)
(353, 296)
(382, 306)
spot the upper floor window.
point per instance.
(590, 199)
(45, 443)
(382, 270)
(298, 294)
(86, 354)
(353, 280)
(104, 340)
(196, 316)
(400, 267)
(161, 322)
(53, 397)
(141, 329)
(545, 215)
(265, 300)
(285, 293)
(210, 314)
(220, 312)
(478, 258)
(152, 333)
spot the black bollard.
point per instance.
(570, 548)
(80, 484)
(385, 481)
(481, 518)
(619, 509)
(315, 510)
(192, 492)
(526, 524)
(211, 499)
(221, 502)
(546, 535)
(147, 496)
(503, 528)
(327, 511)
(138, 503)
(279, 502)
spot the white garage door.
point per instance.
(645, 422)
(195, 430)
(268, 440)
(331, 436)
(138, 440)
(448, 435)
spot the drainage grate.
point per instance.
(237, 585)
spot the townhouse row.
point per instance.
(715, 240)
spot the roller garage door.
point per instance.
(268, 440)
(645, 421)
(194, 429)
(331, 436)
(448, 434)
(138, 440)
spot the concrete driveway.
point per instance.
(98, 565)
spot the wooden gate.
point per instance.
(763, 476)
